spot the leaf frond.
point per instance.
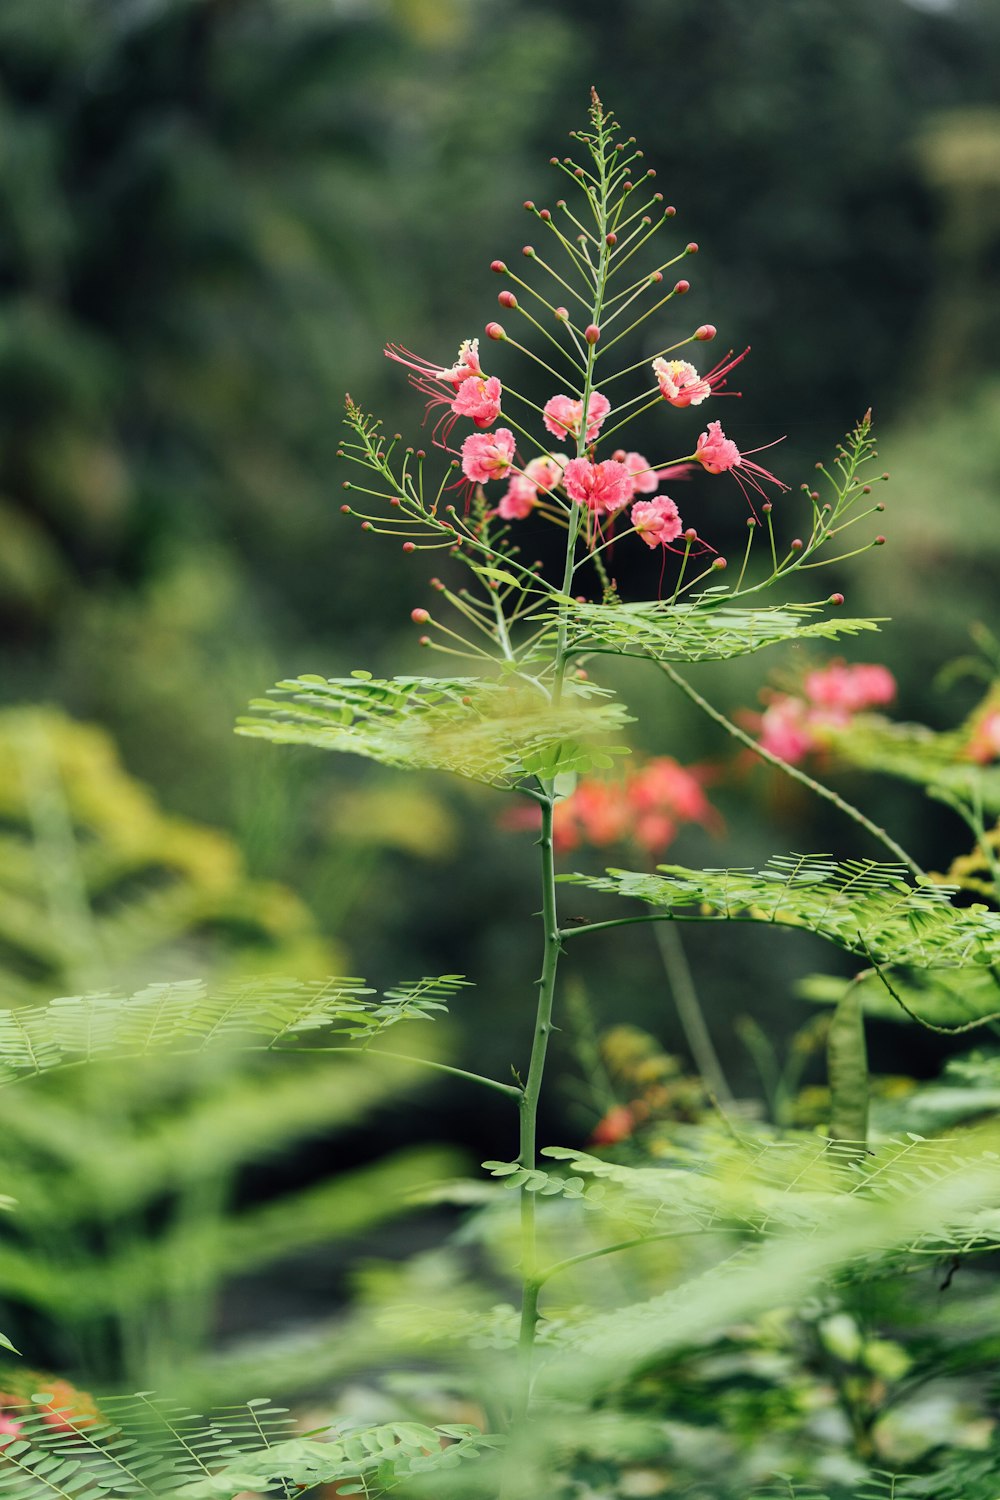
(498, 732)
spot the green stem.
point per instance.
(510, 1089)
(689, 1012)
(640, 1239)
(529, 1109)
(852, 812)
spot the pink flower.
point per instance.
(681, 385)
(715, 452)
(488, 455)
(563, 416)
(664, 785)
(785, 730)
(850, 689)
(617, 1125)
(718, 454)
(543, 474)
(9, 1429)
(657, 521)
(984, 744)
(467, 364)
(603, 488)
(547, 471)
(520, 499)
(479, 399)
(644, 477)
(446, 387)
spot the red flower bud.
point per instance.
(495, 331)
(528, 250)
(836, 599)
(691, 249)
(611, 239)
(562, 313)
(419, 616)
(409, 546)
(591, 333)
(705, 332)
(507, 299)
(669, 211)
(682, 287)
(529, 205)
(499, 267)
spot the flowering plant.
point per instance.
(731, 1222)
(528, 718)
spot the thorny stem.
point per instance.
(550, 919)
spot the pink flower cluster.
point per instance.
(645, 810)
(793, 725)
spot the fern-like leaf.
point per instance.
(138, 1446)
(866, 908)
(498, 732)
(707, 629)
(269, 1014)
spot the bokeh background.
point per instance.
(213, 215)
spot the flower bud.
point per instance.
(691, 248)
(835, 599)
(690, 535)
(562, 313)
(796, 544)
(499, 267)
(719, 564)
(669, 211)
(366, 526)
(611, 239)
(657, 197)
(705, 332)
(545, 214)
(419, 616)
(409, 546)
(529, 205)
(345, 510)
(507, 299)
(528, 250)
(879, 541)
(424, 640)
(553, 161)
(495, 331)
(682, 287)
(655, 278)
(591, 333)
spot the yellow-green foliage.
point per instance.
(99, 886)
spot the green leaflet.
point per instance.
(497, 732)
(847, 1063)
(267, 1013)
(911, 752)
(706, 629)
(866, 908)
(139, 1446)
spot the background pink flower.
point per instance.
(520, 499)
(563, 416)
(488, 455)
